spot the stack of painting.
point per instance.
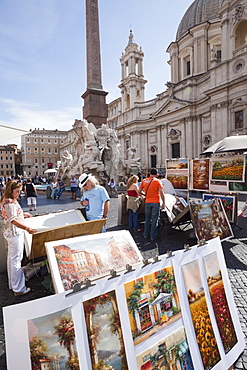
(175, 313)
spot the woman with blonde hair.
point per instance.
(133, 203)
(14, 227)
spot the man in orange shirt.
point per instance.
(152, 188)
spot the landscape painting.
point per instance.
(90, 257)
(178, 181)
(200, 315)
(170, 353)
(177, 164)
(200, 174)
(209, 220)
(104, 331)
(153, 303)
(52, 342)
(219, 301)
(228, 168)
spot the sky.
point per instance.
(43, 55)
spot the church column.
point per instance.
(189, 137)
(123, 70)
(225, 34)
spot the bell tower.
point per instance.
(132, 82)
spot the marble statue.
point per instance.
(96, 151)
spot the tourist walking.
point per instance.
(31, 194)
(152, 188)
(133, 203)
(14, 227)
(94, 198)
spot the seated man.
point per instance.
(61, 188)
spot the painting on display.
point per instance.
(209, 220)
(200, 174)
(153, 303)
(178, 164)
(105, 335)
(52, 341)
(219, 302)
(177, 172)
(202, 323)
(90, 257)
(229, 203)
(91, 329)
(239, 187)
(172, 352)
(228, 168)
(218, 186)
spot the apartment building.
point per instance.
(7, 160)
(41, 150)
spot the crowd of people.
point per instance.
(94, 198)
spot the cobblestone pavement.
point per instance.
(235, 251)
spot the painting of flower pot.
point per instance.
(200, 316)
(153, 303)
(209, 220)
(229, 203)
(105, 333)
(170, 353)
(219, 301)
(200, 174)
(52, 342)
(228, 168)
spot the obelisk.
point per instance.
(95, 107)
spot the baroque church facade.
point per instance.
(206, 99)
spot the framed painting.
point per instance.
(209, 220)
(178, 181)
(228, 168)
(229, 203)
(90, 257)
(200, 174)
(177, 164)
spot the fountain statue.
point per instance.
(96, 151)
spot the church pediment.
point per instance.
(170, 105)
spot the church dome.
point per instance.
(199, 11)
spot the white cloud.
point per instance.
(26, 116)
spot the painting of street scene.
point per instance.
(209, 220)
(52, 342)
(228, 168)
(171, 353)
(219, 301)
(153, 303)
(229, 203)
(200, 316)
(105, 333)
(200, 174)
(90, 257)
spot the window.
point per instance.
(55, 150)
(42, 140)
(43, 160)
(188, 67)
(153, 161)
(35, 149)
(127, 144)
(35, 140)
(49, 149)
(10, 158)
(6, 158)
(42, 149)
(49, 140)
(239, 119)
(175, 150)
(36, 160)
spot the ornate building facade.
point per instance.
(206, 99)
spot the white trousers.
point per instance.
(16, 275)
